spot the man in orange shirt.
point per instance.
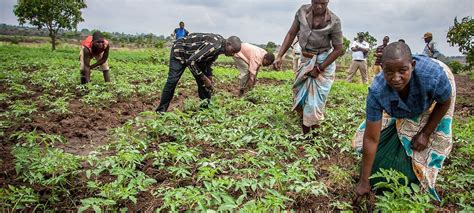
(94, 46)
(248, 61)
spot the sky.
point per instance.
(260, 21)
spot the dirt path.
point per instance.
(465, 96)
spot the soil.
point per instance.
(464, 96)
(86, 128)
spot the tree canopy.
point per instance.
(461, 34)
(51, 14)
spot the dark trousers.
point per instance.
(176, 69)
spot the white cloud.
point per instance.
(268, 20)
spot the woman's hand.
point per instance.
(420, 141)
(316, 71)
(362, 190)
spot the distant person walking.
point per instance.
(359, 48)
(320, 37)
(431, 48)
(248, 62)
(94, 46)
(197, 51)
(180, 32)
(378, 56)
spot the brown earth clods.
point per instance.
(87, 128)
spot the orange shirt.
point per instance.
(88, 42)
(252, 55)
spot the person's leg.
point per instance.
(105, 69)
(85, 73)
(352, 70)
(176, 69)
(363, 71)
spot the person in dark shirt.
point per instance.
(378, 56)
(180, 32)
(197, 51)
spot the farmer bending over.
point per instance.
(94, 46)
(409, 115)
(197, 51)
(248, 62)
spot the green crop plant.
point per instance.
(20, 110)
(399, 196)
(18, 198)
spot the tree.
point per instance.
(369, 39)
(271, 46)
(462, 34)
(346, 43)
(51, 14)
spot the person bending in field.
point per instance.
(94, 46)
(320, 37)
(197, 51)
(248, 62)
(408, 122)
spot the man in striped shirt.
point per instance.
(197, 51)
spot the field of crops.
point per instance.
(101, 147)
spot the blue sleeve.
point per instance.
(373, 109)
(442, 89)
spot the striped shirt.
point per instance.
(378, 59)
(198, 48)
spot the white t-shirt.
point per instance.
(359, 55)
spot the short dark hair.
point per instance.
(396, 50)
(235, 42)
(97, 36)
(270, 57)
(181, 22)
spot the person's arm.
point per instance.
(442, 95)
(337, 43)
(186, 32)
(420, 140)
(173, 35)
(289, 38)
(206, 49)
(364, 48)
(104, 58)
(370, 143)
(253, 69)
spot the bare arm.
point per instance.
(370, 144)
(251, 80)
(289, 38)
(336, 53)
(420, 140)
(104, 58)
